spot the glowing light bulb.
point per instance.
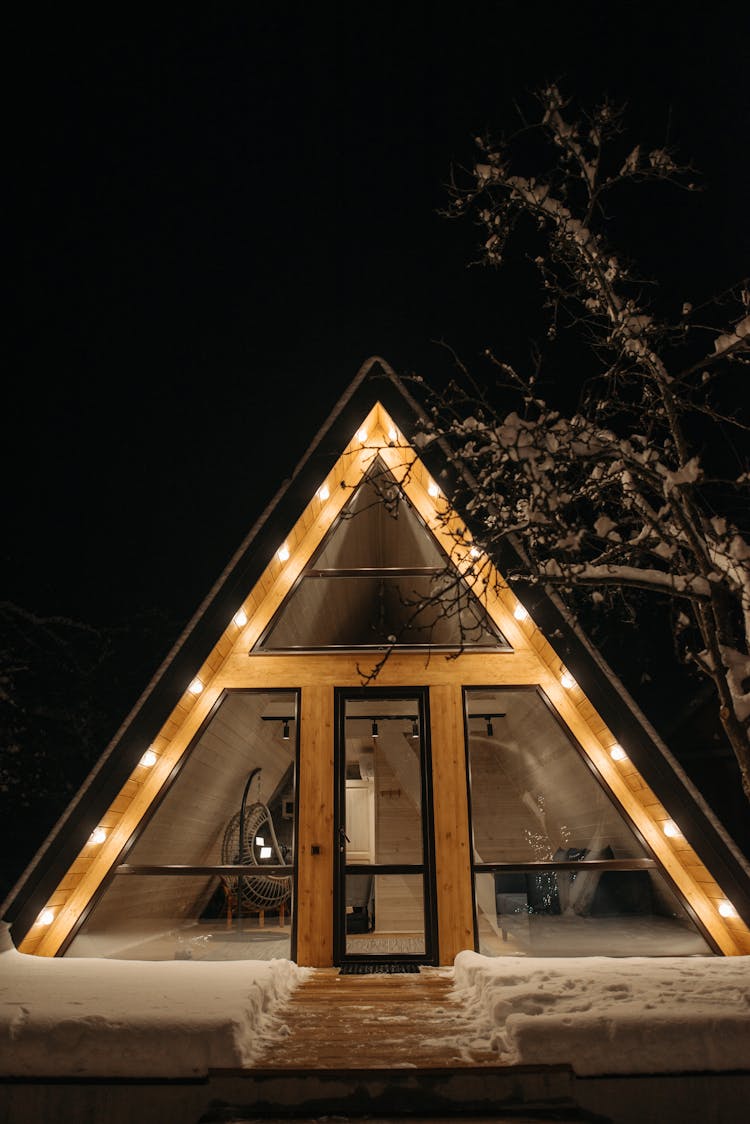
(323, 493)
(195, 687)
(283, 553)
(520, 613)
(567, 680)
(46, 917)
(432, 489)
(617, 753)
(672, 830)
(362, 435)
(475, 552)
(98, 835)
(240, 618)
(392, 434)
(148, 759)
(726, 909)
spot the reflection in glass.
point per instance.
(534, 800)
(232, 802)
(384, 912)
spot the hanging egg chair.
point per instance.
(257, 891)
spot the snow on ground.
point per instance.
(86, 1017)
(95, 1017)
(600, 1014)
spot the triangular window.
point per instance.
(379, 579)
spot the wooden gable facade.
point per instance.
(365, 746)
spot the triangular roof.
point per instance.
(704, 862)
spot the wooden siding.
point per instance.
(229, 666)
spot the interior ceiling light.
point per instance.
(265, 852)
(323, 493)
(567, 680)
(259, 841)
(195, 687)
(432, 489)
(240, 618)
(148, 759)
(672, 830)
(726, 909)
(283, 553)
(362, 435)
(520, 613)
(98, 835)
(392, 434)
(617, 753)
(475, 552)
(46, 917)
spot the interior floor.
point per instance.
(521, 936)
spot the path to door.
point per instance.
(372, 1021)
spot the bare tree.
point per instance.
(641, 484)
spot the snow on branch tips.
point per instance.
(631, 472)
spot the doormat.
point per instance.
(372, 969)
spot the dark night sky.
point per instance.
(219, 215)
(215, 209)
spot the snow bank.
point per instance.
(605, 1015)
(87, 1017)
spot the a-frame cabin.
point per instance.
(492, 787)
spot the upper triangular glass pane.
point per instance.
(380, 579)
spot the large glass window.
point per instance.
(380, 580)
(210, 875)
(383, 885)
(558, 870)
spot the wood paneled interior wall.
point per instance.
(188, 826)
(531, 792)
(399, 900)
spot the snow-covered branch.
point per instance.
(640, 486)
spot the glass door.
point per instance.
(384, 897)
